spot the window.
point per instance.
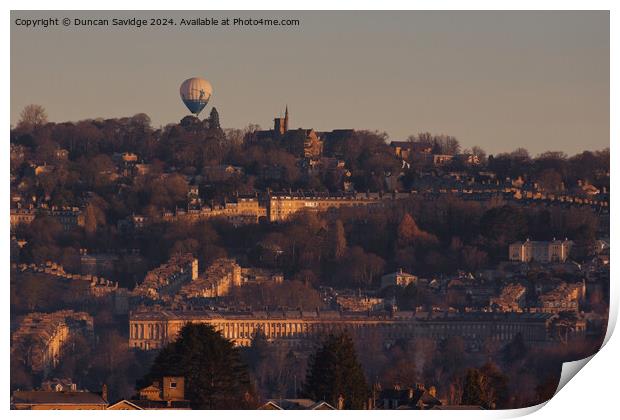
(173, 385)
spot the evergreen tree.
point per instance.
(334, 372)
(472, 388)
(486, 387)
(257, 352)
(496, 391)
(515, 350)
(214, 119)
(215, 376)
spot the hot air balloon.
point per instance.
(195, 93)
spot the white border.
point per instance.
(590, 395)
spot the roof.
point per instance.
(63, 397)
(160, 405)
(384, 316)
(410, 398)
(150, 388)
(398, 273)
(125, 403)
(297, 404)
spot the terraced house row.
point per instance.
(154, 329)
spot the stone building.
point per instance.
(419, 154)
(253, 275)
(154, 329)
(356, 303)
(398, 278)
(430, 159)
(406, 149)
(564, 298)
(238, 210)
(217, 280)
(53, 400)
(99, 264)
(304, 143)
(300, 142)
(22, 216)
(511, 299)
(541, 251)
(85, 285)
(56, 384)
(69, 218)
(168, 278)
(280, 125)
(281, 205)
(165, 394)
(41, 337)
(407, 398)
(169, 388)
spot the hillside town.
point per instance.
(434, 262)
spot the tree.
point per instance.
(408, 233)
(358, 268)
(234, 136)
(32, 116)
(339, 240)
(141, 120)
(479, 151)
(215, 376)
(407, 230)
(290, 294)
(473, 258)
(441, 144)
(550, 180)
(451, 354)
(275, 368)
(515, 350)
(334, 372)
(214, 119)
(504, 225)
(472, 388)
(486, 387)
(93, 218)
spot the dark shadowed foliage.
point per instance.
(216, 378)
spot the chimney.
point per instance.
(340, 402)
(104, 392)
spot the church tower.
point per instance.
(280, 125)
(286, 119)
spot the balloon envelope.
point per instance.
(195, 93)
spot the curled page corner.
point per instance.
(569, 370)
(611, 321)
(519, 412)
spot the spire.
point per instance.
(286, 119)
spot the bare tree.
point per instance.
(234, 135)
(478, 151)
(31, 117)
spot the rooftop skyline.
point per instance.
(500, 80)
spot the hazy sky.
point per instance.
(500, 80)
